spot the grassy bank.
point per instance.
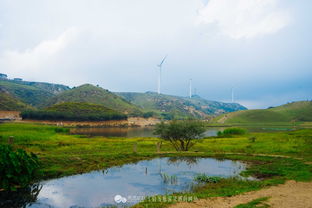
(291, 112)
(271, 171)
(63, 154)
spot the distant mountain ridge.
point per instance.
(22, 95)
(181, 106)
(291, 112)
(31, 93)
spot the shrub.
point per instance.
(148, 114)
(61, 130)
(232, 131)
(167, 116)
(252, 139)
(180, 133)
(17, 168)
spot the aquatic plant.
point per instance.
(203, 178)
(232, 131)
(167, 179)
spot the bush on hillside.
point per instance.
(148, 114)
(167, 116)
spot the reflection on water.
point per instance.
(21, 198)
(128, 132)
(115, 132)
(131, 181)
(188, 160)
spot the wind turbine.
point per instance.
(190, 88)
(232, 94)
(159, 77)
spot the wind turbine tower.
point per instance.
(159, 76)
(190, 88)
(232, 94)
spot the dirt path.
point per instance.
(289, 195)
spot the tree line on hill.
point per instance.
(68, 116)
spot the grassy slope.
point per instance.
(181, 106)
(91, 94)
(296, 111)
(9, 103)
(32, 93)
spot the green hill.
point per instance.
(91, 94)
(32, 93)
(179, 106)
(9, 103)
(74, 112)
(296, 111)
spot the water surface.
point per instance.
(128, 132)
(131, 181)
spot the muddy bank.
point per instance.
(289, 195)
(10, 115)
(130, 122)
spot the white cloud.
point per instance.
(35, 58)
(244, 18)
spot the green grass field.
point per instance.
(62, 154)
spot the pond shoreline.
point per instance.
(130, 122)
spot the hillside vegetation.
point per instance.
(21, 95)
(91, 94)
(74, 112)
(32, 93)
(9, 103)
(296, 111)
(179, 107)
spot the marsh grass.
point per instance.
(203, 178)
(232, 131)
(169, 179)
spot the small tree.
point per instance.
(180, 133)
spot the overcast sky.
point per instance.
(261, 48)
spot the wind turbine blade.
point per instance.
(163, 60)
